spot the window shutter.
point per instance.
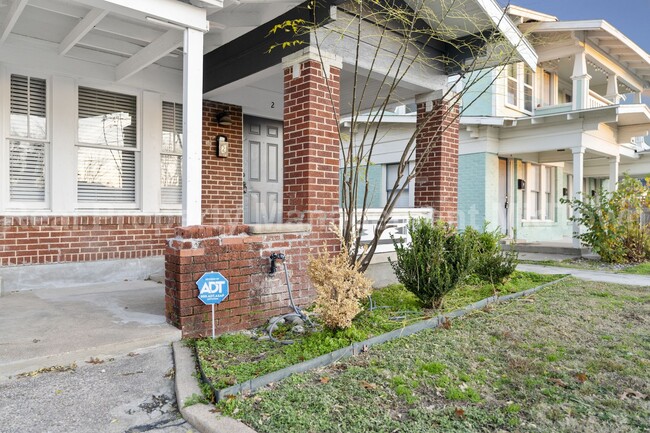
(28, 130)
(172, 153)
(106, 158)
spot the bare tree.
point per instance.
(392, 40)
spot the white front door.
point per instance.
(504, 200)
(262, 171)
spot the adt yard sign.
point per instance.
(213, 288)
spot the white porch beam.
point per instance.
(88, 22)
(16, 9)
(156, 50)
(578, 174)
(614, 67)
(192, 125)
(171, 11)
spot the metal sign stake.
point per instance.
(213, 321)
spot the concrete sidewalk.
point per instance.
(589, 275)
(42, 328)
(114, 345)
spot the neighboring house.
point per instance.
(530, 137)
(123, 120)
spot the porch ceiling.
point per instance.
(122, 34)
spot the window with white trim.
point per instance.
(391, 178)
(107, 147)
(28, 140)
(534, 183)
(520, 81)
(549, 193)
(171, 155)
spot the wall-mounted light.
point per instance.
(222, 146)
(521, 184)
(223, 118)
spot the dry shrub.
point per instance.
(340, 288)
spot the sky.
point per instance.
(631, 17)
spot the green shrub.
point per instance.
(614, 224)
(493, 265)
(435, 261)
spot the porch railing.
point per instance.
(597, 101)
(397, 226)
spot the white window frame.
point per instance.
(170, 206)
(548, 188)
(112, 206)
(519, 81)
(540, 203)
(409, 190)
(5, 193)
(534, 194)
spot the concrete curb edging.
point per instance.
(198, 415)
(362, 346)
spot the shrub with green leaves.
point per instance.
(435, 261)
(614, 222)
(493, 264)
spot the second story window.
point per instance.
(519, 87)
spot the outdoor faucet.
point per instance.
(274, 257)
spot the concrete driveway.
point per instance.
(113, 347)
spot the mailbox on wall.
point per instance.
(222, 146)
(521, 184)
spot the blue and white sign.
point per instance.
(213, 288)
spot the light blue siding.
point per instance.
(477, 100)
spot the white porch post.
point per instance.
(613, 173)
(192, 125)
(581, 80)
(578, 173)
(612, 89)
(638, 98)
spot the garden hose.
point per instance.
(297, 312)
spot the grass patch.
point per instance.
(235, 358)
(537, 364)
(640, 269)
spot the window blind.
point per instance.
(172, 153)
(106, 158)
(27, 145)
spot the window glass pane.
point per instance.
(534, 177)
(105, 175)
(391, 177)
(28, 107)
(512, 70)
(172, 128)
(107, 118)
(512, 92)
(528, 76)
(170, 179)
(26, 171)
(528, 98)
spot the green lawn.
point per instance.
(575, 357)
(235, 358)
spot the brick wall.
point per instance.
(436, 185)
(243, 259)
(223, 183)
(311, 148)
(26, 240)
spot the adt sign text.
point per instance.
(213, 288)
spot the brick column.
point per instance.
(311, 143)
(436, 185)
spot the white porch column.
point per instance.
(612, 89)
(192, 125)
(581, 80)
(578, 173)
(613, 173)
(638, 98)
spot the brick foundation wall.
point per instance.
(243, 259)
(223, 182)
(436, 185)
(27, 240)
